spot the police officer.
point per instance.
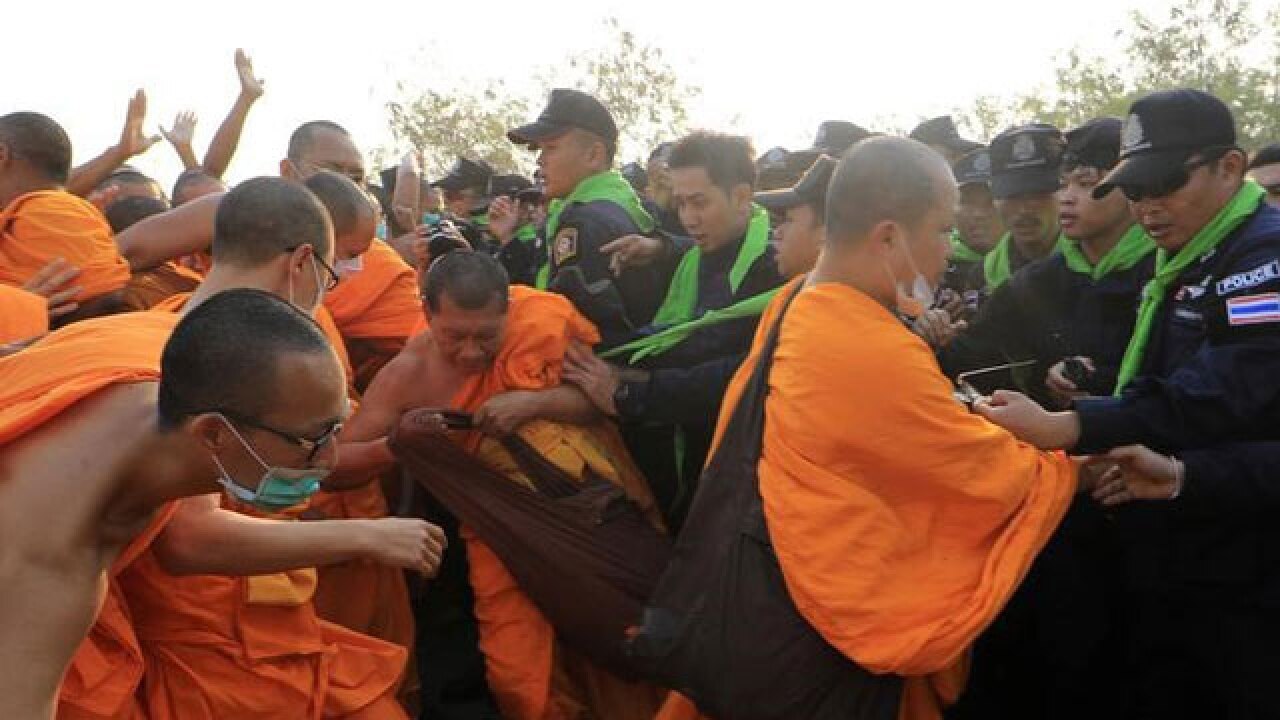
(672, 403)
(1024, 182)
(466, 199)
(591, 205)
(978, 227)
(1052, 652)
(524, 252)
(1198, 377)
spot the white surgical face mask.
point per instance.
(349, 267)
(920, 295)
(315, 269)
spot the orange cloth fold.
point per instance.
(902, 522)
(23, 315)
(530, 675)
(148, 288)
(38, 384)
(217, 648)
(39, 227)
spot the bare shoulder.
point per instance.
(85, 440)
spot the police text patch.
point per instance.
(1251, 278)
(565, 247)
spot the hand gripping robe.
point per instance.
(532, 675)
(36, 385)
(377, 309)
(23, 315)
(901, 522)
(41, 226)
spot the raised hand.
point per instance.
(251, 86)
(632, 251)
(184, 130)
(504, 217)
(133, 141)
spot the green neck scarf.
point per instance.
(682, 294)
(526, 233)
(962, 252)
(1240, 208)
(663, 341)
(1132, 247)
(997, 265)
(608, 185)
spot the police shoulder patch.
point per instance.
(565, 248)
(1249, 279)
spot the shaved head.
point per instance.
(471, 280)
(194, 183)
(225, 353)
(304, 138)
(883, 179)
(123, 213)
(348, 204)
(39, 142)
(263, 217)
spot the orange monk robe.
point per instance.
(902, 522)
(40, 227)
(530, 675)
(252, 647)
(364, 596)
(377, 309)
(38, 384)
(23, 315)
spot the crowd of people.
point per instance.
(887, 427)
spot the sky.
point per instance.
(772, 71)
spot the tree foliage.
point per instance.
(631, 77)
(1210, 45)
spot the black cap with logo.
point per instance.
(811, 189)
(1095, 144)
(1162, 132)
(466, 174)
(568, 109)
(1026, 160)
(974, 168)
(942, 131)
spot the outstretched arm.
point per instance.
(160, 238)
(133, 142)
(227, 138)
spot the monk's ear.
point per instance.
(209, 430)
(300, 258)
(289, 170)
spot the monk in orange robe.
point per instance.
(902, 522)
(40, 221)
(264, 650)
(496, 352)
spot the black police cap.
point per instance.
(1026, 160)
(811, 189)
(509, 185)
(836, 136)
(568, 109)
(466, 174)
(974, 168)
(942, 131)
(1163, 130)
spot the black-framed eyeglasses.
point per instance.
(1176, 180)
(312, 446)
(334, 279)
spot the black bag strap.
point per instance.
(748, 414)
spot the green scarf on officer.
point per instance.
(608, 185)
(1234, 214)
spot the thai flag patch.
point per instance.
(1254, 309)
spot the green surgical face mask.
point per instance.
(279, 489)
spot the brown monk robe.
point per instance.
(40, 221)
(496, 352)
